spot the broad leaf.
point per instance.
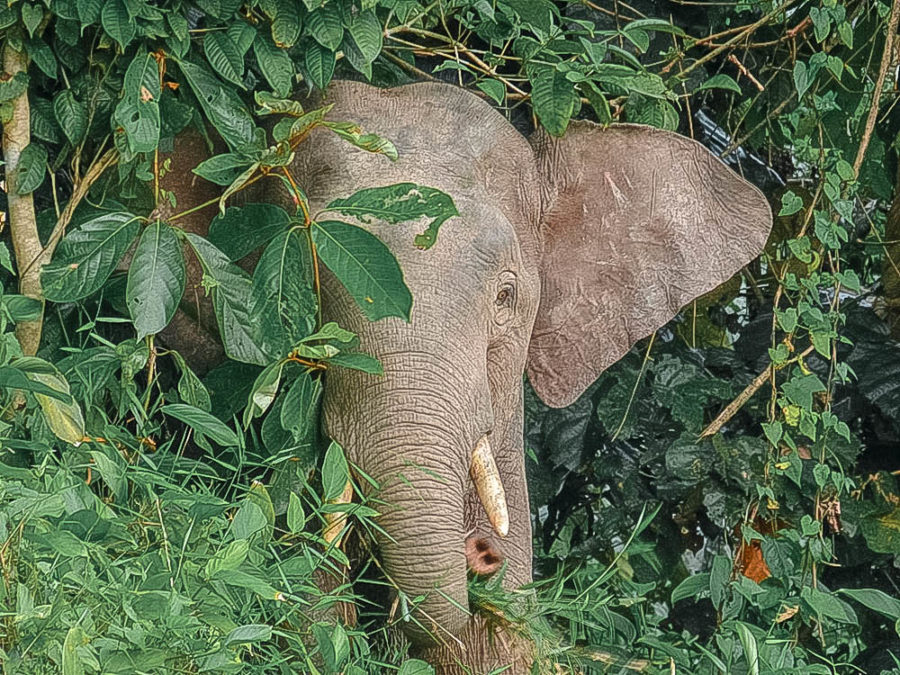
(282, 300)
(156, 279)
(399, 203)
(32, 168)
(325, 26)
(351, 133)
(64, 418)
(117, 22)
(554, 100)
(319, 62)
(365, 266)
(88, 255)
(71, 114)
(240, 231)
(335, 472)
(275, 65)
(230, 287)
(224, 56)
(202, 422)
(223, 169)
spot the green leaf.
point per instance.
(89, 11)
(32, 15)
(12, 378)
(324, 25)
(800, 389)
(335, 472)
(222, 106)
(156, 279)
(366, 267)
(351, 133)
(828, 605)
(43, 57)
(230, 288)
(64, 419)
(495, 89)
(362, 42)
(138, 111)
(224, 57)
(241, 579)
(790, 203)
(296, 518)
(263, 392)
(415, 667)
(399, 203)
(190, 388)
(301, 403)
(71, 661)
(360, 361)
(240, 231)
(275, 65)
(71, 114)
(251, 632)
(802, 78)
(202, 422)
(286, 24)
(319, 62)
(282, 298)
(691, 587)
(720, 81)
(554, 100)
(877, 601)
(117, 22)
(223, 169)
(750, 645)
(88, 255)
(32, 168)
(22, 308)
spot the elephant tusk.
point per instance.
(490, 489)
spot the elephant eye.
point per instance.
(506, 296)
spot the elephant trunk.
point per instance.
(415, 431)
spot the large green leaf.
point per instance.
(554, 100)
(138, 111)
(399, 203)
(32, 168)
(286, 23)
(319, 62)
(365, 266)
(222, 106)
(230, 288)
(202, 422)
(117, 22)
(156, 279)
(283, 301)
(362, 42)
(275, 65)
(225, 58)
(71, 114)
(88, 255)
(324, 25)
(64, 418)
(240, 231)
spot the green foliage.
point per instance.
(152, 520)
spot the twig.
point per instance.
(879, 85)
(741, 67)
(739, 401)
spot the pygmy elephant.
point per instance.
(565, 253)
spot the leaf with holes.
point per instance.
(400, 203)
(138, 111)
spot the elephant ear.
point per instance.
(638, 223)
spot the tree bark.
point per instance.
(29, 252)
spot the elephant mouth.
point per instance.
(489, 487)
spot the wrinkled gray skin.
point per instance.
(601, 236)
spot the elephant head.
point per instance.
(565, 253)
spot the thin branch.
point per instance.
(879, 85)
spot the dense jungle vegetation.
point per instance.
(723, 500)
